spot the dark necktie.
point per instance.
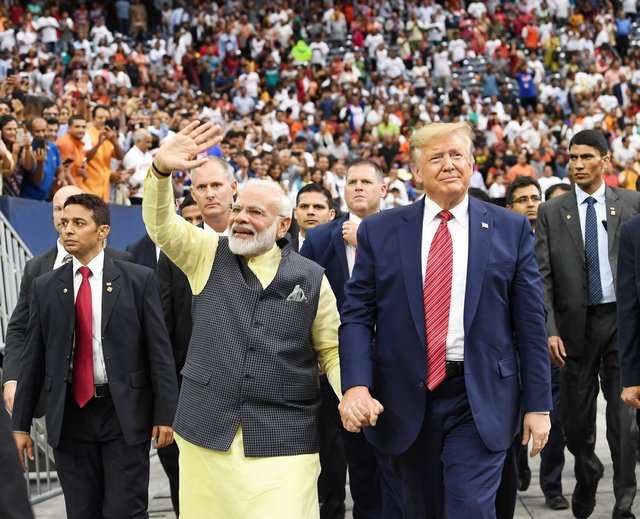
(437, 299)
(592, 262)
(83, 389)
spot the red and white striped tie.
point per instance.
(437, 299)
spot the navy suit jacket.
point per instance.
(324, 245)
(628, 299)
(504, 306)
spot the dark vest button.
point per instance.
(247, 376)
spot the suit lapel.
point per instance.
(614, 213)
(340, 248)
(480, 230)
(571, 218)
(50, 259)
(410, 238)
(110, 290)
(65, 296)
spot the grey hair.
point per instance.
(140, 134)
(226, 168)
(285, 208)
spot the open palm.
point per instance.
(180, 152)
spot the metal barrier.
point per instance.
(13, 255)
(42, 479)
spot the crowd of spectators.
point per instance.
(89, 89)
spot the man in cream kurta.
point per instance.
(225, 476)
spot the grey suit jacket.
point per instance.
(560, 253)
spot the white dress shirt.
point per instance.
(60, 256)
(351, 250)
(606, 275)
(209, 229)
(300, 241)
(459, 229)
(96, 266)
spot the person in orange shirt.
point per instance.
(71, 147)
(521, 169)
(101, 145)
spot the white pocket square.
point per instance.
(297, 295)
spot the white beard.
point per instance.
(259, 244)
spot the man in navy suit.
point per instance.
(333, 246)
(441, 292)
(629, 312)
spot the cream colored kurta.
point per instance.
(228, 485)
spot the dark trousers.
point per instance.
(552, 456)
(578, 394)
(14, 503)
(508, 490)
(169, 460)
(333, 471)
(102, 477)
(448, 471)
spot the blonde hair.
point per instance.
(425, 136)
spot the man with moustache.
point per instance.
(98, 346)
(17, 328)
(314, 206)
(264, 318)
(577, 248)
(429, 366)
(333, 247)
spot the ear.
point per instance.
(283, 227)
(332, 214)
(103, 232)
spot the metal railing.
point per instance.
(41, 479)
(13, 255)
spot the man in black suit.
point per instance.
(628, 295)
(333, 246)
(98, 345)
(577, 250)
(14, 502)
(17, 327)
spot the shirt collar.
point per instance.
(268, 256)
(460, 211)
(61, 250)
(211, 230)
(354, 218)
(95, 265)
(598, 194)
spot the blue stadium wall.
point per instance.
(32, 220)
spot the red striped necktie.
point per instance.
(437, 299)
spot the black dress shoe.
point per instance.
(584, 498)
(556, 502)
(622, 514)
(524, 479)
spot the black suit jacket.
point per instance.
(17, 327)
(135, 343)
(324, 245)
(144, 252)
(628, 296)
(176, 296)
(560, 254)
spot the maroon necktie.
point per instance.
(437, 299)
(83, 389)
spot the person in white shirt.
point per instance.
(477, 9)
(48, 27)
(138, 161)
(547, 180)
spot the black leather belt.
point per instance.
(454, 368)
(102, 391)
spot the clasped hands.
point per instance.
(359, 409)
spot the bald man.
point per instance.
(36, 266)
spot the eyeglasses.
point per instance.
(525, 199)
